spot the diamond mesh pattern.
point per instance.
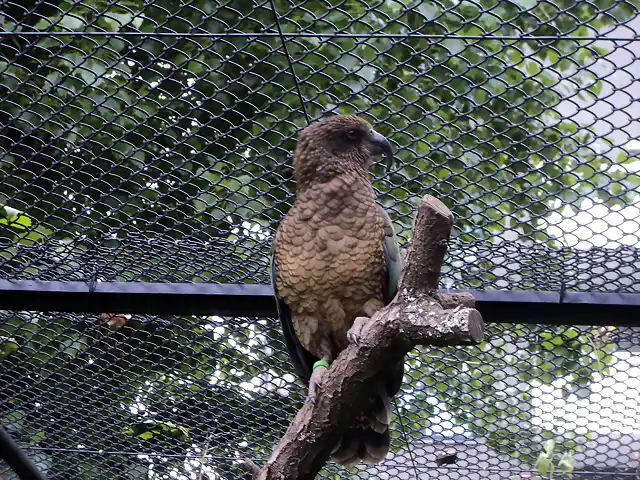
(90, 401)
(148, 123)
(146, 141)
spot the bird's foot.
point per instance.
(315, 382)
(355, 332)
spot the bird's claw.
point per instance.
(354, 333)
(315, 383)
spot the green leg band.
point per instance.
(320, 363)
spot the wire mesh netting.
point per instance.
(191, 397)
(146, 141)
(135, 133)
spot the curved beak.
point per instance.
(383, 145)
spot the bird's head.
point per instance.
(336, 145)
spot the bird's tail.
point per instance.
(367, 439)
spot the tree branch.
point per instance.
(419, 315)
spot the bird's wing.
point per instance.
(392, 257)
(300, 357)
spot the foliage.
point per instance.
(497, 378)
(192, 135)
(545, 466)
(141, 136)
(13, 219)
(153, 386)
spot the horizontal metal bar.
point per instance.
(36, 33)
(137, 297)
(498, 306)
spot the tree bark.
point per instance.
(419, 315)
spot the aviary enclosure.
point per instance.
(145, 162)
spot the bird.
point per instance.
(335, 262)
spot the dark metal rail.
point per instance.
(573, 308)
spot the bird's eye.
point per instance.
(352, 135)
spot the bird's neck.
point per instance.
(330, 173)
(341, 191)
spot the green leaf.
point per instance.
(137, 21)
(14, 218)
(8, 345)
(549, 446)
(428, 9)
(72, 22)
(454, 46)
(543, 464)
(42, 24)
(567, 463)
(118, 20)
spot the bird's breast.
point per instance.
(329, 260)
(330, 256)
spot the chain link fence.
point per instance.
(151, 142)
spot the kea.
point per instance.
(335, 263)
